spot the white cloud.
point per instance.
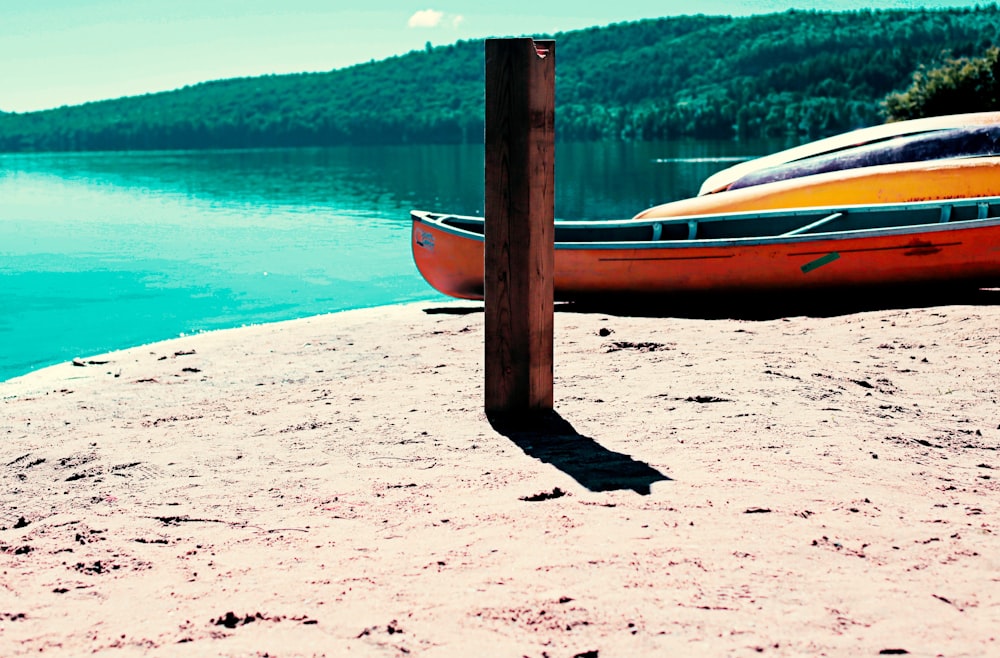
(426, 18)
(434, 18)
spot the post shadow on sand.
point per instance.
(549, 438)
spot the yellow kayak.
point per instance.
(896, 183)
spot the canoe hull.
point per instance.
(966, 142)
(846, 142)
(965, 253)
(451, 263)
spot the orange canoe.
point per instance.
(940, 242)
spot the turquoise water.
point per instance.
(110, 250)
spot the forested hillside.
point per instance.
(798, 73)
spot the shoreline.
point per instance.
(786, 486)
(99, 354)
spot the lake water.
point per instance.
(101, 251)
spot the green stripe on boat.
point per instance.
(820, 262)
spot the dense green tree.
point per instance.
(963, 84)
(797, 73)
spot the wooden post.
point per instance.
(520, 231)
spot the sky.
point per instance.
(67, 52)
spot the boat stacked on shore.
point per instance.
(909, 203)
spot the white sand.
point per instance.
(789, 487)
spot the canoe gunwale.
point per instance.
(944, 225)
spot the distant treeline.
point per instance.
(798, 73)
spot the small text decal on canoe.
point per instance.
(820, 262)
(425, 240)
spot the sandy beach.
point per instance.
(778, 484)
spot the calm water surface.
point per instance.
(102, 251)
